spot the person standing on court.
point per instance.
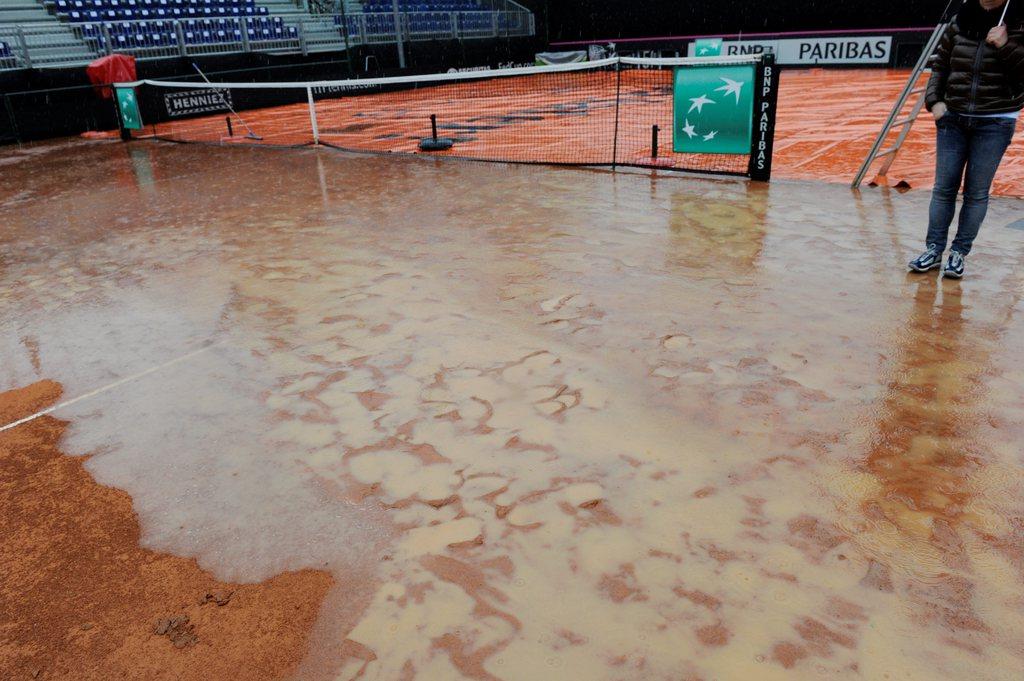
(975, 93)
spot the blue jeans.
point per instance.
(977, 144)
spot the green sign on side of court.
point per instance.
(129, 106)
(713, 109)
(707, 47)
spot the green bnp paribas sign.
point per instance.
(131, 119)
(707, 47)
(713, 109)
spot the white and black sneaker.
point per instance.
(954, 268)
(928, 260)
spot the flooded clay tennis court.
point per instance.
(321, 416)
(827, 122)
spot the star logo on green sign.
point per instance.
(713, 109)
(708, 48)
(731, 87)
(699, 102)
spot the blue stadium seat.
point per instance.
(112, 10)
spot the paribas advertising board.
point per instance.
(197, 101)
(804, 51)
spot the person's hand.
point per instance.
(939, 110)
(997, 37)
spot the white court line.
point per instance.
(110, 386)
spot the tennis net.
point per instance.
(617, 111)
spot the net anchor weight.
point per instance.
(435, 143)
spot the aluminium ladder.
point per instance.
(905, 123)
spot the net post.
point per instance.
(618, 97)
(312, 116)
(766, 99)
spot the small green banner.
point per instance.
(129, 106)
(707, 47)
(714, 109)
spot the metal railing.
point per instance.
(22, 45)
(12, 50)
(378, 28)
(65, 43)
(191, 37)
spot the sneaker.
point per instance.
(928, 260)
(954, 268)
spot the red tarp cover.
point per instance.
(116, 68)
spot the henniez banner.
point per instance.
(197, 101)
(548, 58)
(802, 51)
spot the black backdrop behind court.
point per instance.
(599, 19)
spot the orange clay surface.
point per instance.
(827, 121)
(80, 599)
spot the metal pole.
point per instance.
(398, 34)
(180, 33)
(302, 40)
(312, 116)
(547, 26)
(14, 119)
(23, 43)
(618, 96)
(106, 39)
(908, 90)
(245, 35)
(654, 141)
(344, 29)
(226, 103)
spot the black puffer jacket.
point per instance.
(971, 76)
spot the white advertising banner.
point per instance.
(811, 51)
